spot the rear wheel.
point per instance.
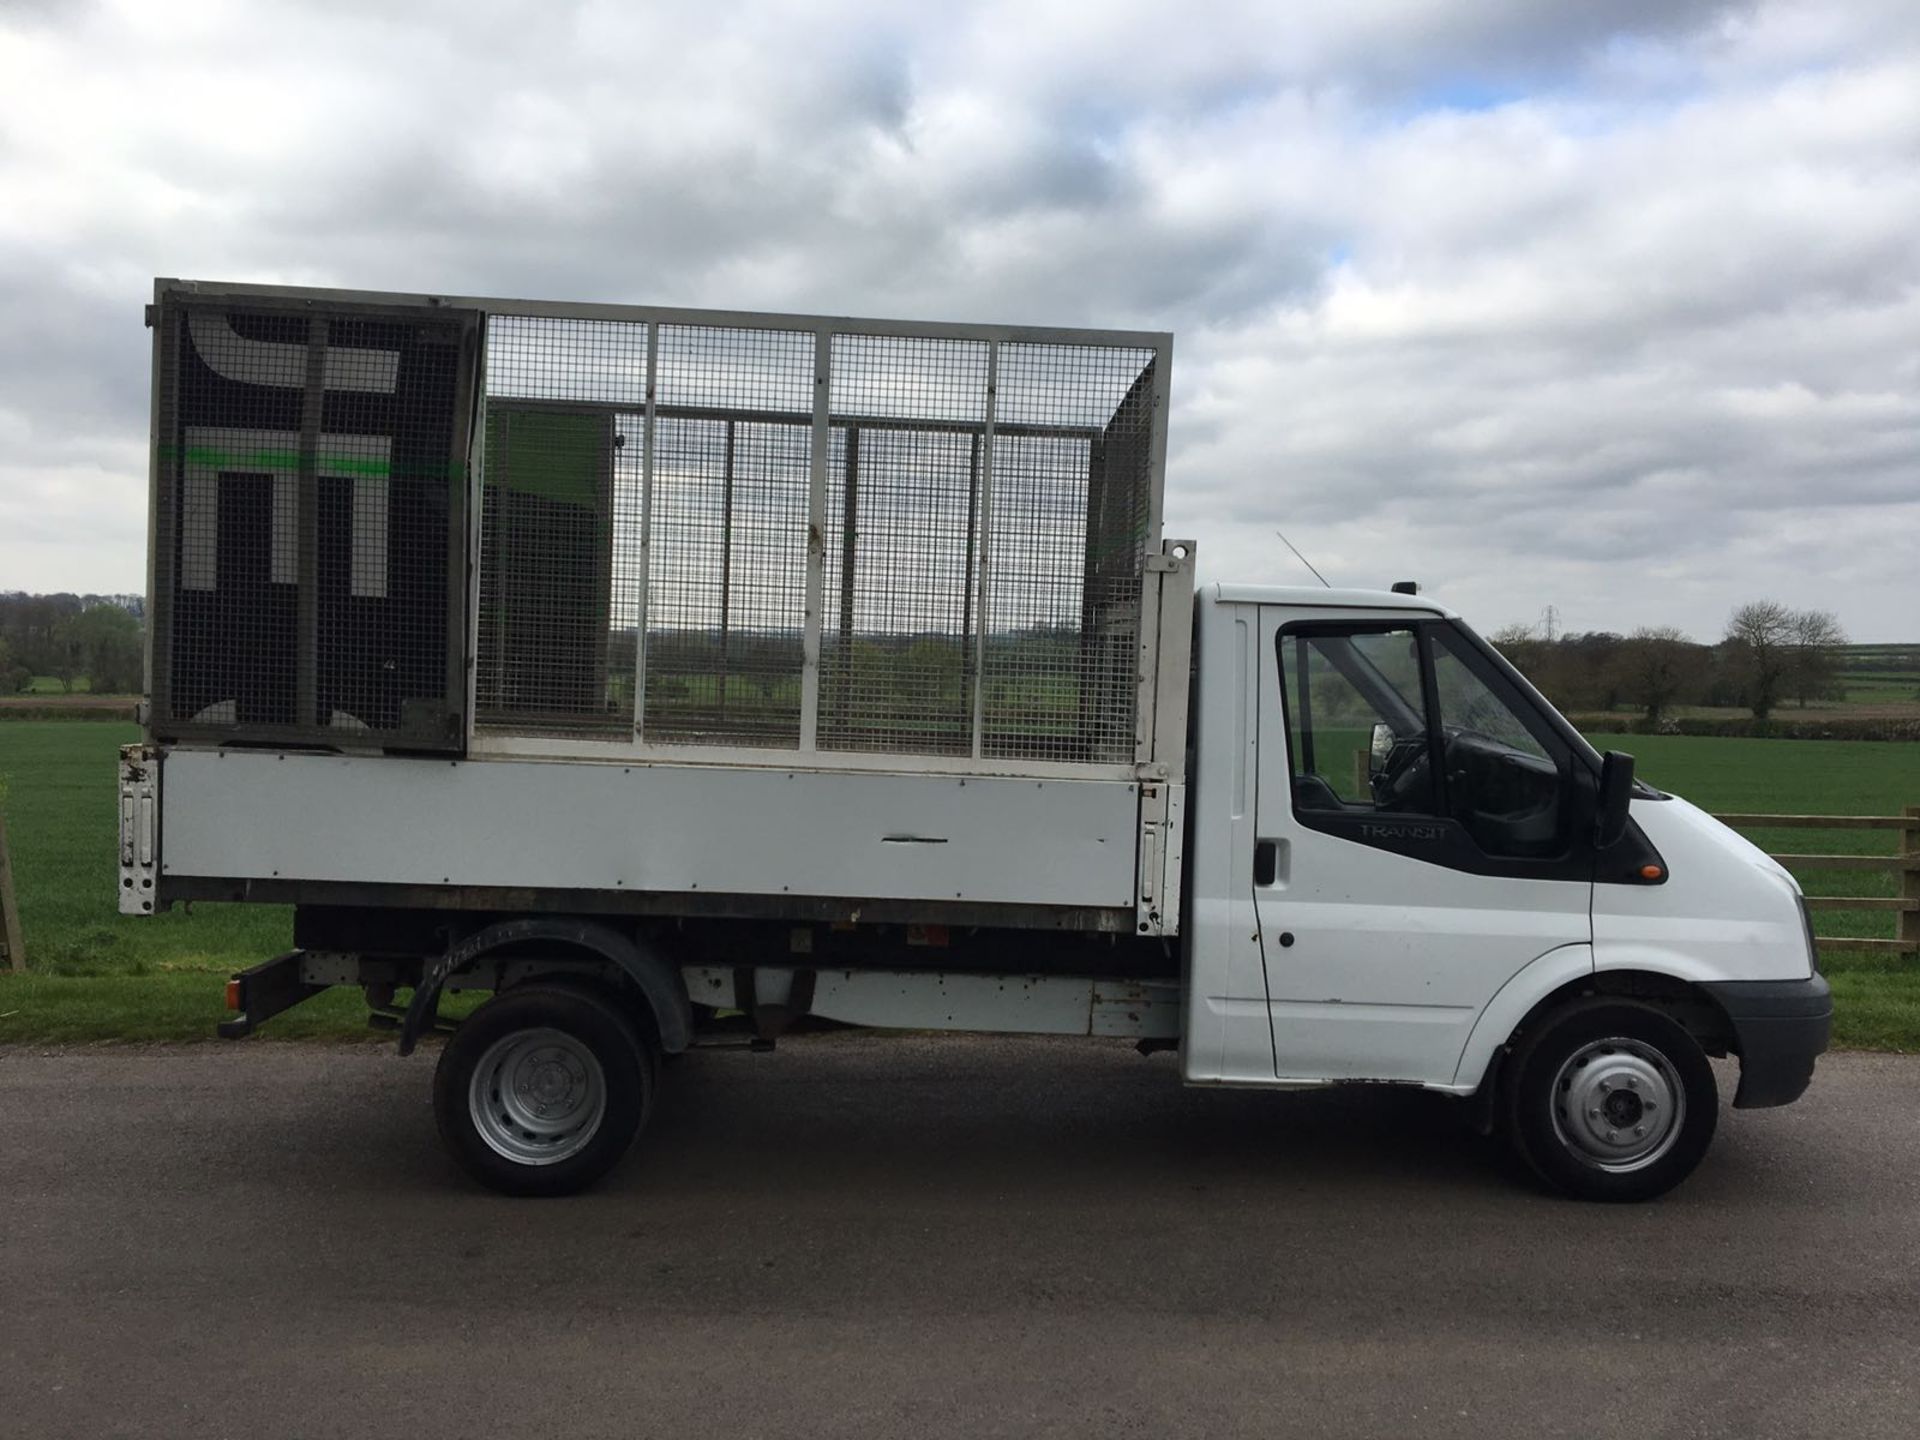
(599, 992)
(542, 1089)
(1612, 1100)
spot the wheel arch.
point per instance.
(1567, 974)
(661, 989)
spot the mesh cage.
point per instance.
(650, 493)
(756, 532)
(309, 522)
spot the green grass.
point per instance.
(1879, 689)
(98, 975)
(60, 777)
(1779, 777)
(95, 972)
(170, 1004)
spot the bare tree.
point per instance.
(13, 675)
(1527, 653)
(1759, 643)
(1816, 635)
(1654, 665)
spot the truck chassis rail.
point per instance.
(257, 995)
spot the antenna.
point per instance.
(1301, 558)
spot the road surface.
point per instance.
(928, 1237)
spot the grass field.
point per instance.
(1881, 676)
(59, 778)
(97, 974)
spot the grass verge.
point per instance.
(175, 1005)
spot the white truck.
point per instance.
(676, 676)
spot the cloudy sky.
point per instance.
(1610, 307)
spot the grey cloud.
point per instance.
(1600, 344)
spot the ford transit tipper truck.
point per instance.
(666, 673)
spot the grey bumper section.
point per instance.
(1779, 1027)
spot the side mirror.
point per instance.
(1379, 748)
(1616, 795)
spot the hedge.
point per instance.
(1850, 727)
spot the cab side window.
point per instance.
(1414, 722)
(1357, 738)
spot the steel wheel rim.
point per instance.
(1618, 1105)
(537, 1097)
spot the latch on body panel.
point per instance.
(1151, 859)
(139, 828)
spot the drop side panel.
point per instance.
(587, 826)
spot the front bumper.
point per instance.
(1779, 1028)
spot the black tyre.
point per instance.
(542, 1089)
(1611, 1100)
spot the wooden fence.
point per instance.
(13, 949)
(1905, 866)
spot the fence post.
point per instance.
(11, 945)
(1909, 927)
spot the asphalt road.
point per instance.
(864, 1236)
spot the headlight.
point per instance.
(1806, 925)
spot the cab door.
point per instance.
(1423, 833)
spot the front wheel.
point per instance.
(542, 1090)
(1612, 1100)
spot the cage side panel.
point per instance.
(308, 470)
(726, 584)
(547, 566)
(559, 594)
(901, 544)
(1120, 509)
(1032, 659)
(974, 585)
(1071, 493)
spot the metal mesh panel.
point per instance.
(551, 357)
(901, 544)
(722, 368)
(1071, 505)
(727, 573)
(560, 533)
(546, 571)
(1035, 591)
(984, 508)
(309, 521)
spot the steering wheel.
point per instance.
(1403, 774)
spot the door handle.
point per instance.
(1266, 861)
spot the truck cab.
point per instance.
(1404, 870)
